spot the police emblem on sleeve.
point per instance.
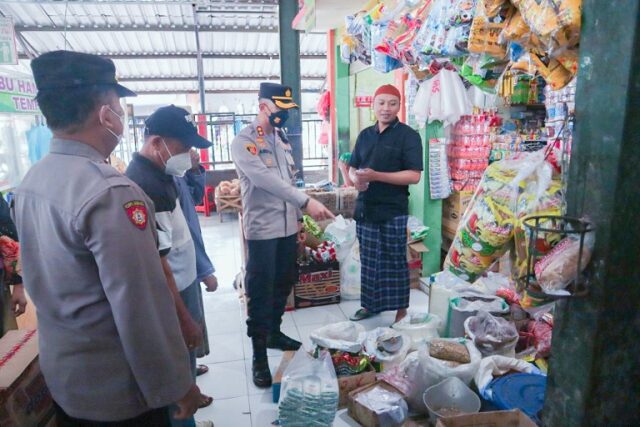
(252, 149)
(137, 213)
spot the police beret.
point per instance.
(63, 69)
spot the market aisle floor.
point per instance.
(238, 403)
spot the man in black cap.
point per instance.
(111, 349)
(271, 208)
(170, 134)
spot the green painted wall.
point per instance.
(429, 211)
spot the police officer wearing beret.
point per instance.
(272, 211)
(111, 348)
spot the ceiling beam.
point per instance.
(231, 91)
(203, 28)
(209, 78)
(249, 3)
(187, 55)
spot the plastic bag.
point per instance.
(492, 335)
(390, 407)
(343, 336)
(485, 32)
(310, 392)
(560, 266)
(387, 346)
(350, 278)
(342, 232)
(488, 224)
(469, 304)
(379, 60)
(494, 366)
(421, 327)
(555, 22)
(494, 282)
(429, 371)
(443, 98)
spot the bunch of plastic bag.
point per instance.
(488, 225)
(445, 32)
(443, 98)
(492, 335)
(310, 392)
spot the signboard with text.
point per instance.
(363, 101)
(8, 51)
(17, 95)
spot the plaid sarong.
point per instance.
(384, 272)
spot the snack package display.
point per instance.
(488, 225)
(309, 391)
(492, 335)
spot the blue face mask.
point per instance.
(279, 118)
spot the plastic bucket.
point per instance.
(450, 397)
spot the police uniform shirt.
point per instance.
(270, 203)
(174, 237)
(110, 341)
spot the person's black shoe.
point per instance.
(261, 372)
(280, 341)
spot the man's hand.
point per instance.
(195, 159)
(18, 302)
(211, 282)
(188, 405)
(366, 175)
(318, 211)
(191, 332)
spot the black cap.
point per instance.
(281, 95)
(175, 122)
(63, 69)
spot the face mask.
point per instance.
(178, 164)
(279, 118)
(118, 137)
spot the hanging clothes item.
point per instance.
(38, 139)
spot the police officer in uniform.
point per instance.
(111, 348)
(272, 211)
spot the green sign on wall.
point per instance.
(18, 95)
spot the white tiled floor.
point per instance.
(238, 403)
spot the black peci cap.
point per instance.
(63, 69)
(175, 122)
(281, 95)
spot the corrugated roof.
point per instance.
(156, 40)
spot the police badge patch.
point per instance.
(137, 213)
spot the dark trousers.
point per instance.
(270, 274)
(154, 418)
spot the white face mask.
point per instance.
(118, 137)
(178, 164)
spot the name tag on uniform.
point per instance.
(266, 151)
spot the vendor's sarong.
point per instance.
(385, 272)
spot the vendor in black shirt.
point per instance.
(386, 159)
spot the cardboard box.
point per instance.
(362, 414)
(353, 382)
(513, 418)
(318, 284)
(456, 204)
(276, 384)
(24, 397)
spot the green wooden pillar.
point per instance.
(424, 208)
(342, 97)
(594, 375)
(290, 76)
